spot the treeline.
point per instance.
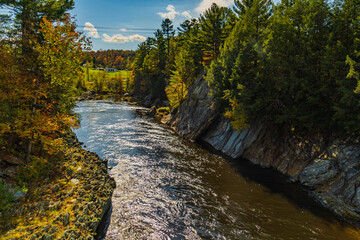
(40, 61)
(165, 65)
(119, 59)
(295, 64)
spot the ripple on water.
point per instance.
(168, 188)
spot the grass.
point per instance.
(124, 73)
(109, 79)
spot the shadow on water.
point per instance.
(104, 225)
(278, 183)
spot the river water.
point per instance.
(170, 188)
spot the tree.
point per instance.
(343, 53)
(28, 16)
(242, 6)
(179, 81)
(137, 71)
(238, 70)
(215, 24)
(40, 104)
(168, 30)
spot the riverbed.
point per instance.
(170, 188)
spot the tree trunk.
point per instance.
(29, 146)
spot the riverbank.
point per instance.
(68, 205)
(168, 187)
(327, 166)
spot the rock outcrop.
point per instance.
(196, 113)
(9, 164)
(330, 168)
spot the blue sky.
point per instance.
(119, 24)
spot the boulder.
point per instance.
(152, 111)
(9, 159)
(11, 171)
(74, 181)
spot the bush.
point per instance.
(163, 111)
(7, 197)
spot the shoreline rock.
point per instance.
(70, 206)
(329, 167)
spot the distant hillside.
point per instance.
(120, 59)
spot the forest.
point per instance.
(295, 63)
(119, 59)
(40, 60)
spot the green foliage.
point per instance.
(215, 24)
(176, 90)
(173, 63)
(38, 168)
(237, 115)
(295, 64)
(99, 79)
(168, 30)
(150, 64)
(40, 63)
(239, 67)
(7, 197)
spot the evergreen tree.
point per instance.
(240, 67)
(168, 30)
(215, 24)
(344, 61)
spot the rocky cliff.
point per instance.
(329, 167)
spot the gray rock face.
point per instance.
(224, 138)
(318, 172)
(330, 168)
(196, 113)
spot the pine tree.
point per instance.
(215, 24)
(168, 30)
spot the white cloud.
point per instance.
(172, 13)
(119, 38)
(91, 30)
(186, 14)
(123, 29)
(205, 4)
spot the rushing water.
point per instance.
(170, 188)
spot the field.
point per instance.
(100, 80)
(124, 73)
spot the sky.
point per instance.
(120, 24)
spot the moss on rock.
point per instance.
(59, 208)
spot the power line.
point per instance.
(134, 29)
(119, 32)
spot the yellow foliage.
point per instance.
(163, 111)
(176, 91)
(35, 106)
(237, 115)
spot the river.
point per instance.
(170, 188)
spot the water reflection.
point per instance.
(168, 188)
